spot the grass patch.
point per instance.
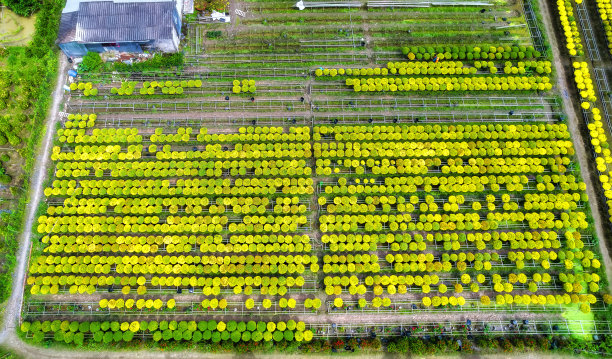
(586, 324)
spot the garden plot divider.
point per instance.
(276, 58)
(532, 25)
(302, 43)
(310, 286)
(500, 327)
(424, 3)
(504, 263)
(214, 88)
(197, 73)
(373, 330)
(589, 243)
(582, 14)
(333, 4)
(475, 36)
(441, 101)
(604, 93)
(443, 280)
(376, 16)
(323, 33)
(148, 122)
(181, 105)
(401, 29)
(440, 117)
(412, 307)
(326, 43)
(160, 75)
(320, 189)
(36, 309)
(386, 56)
(248, 72)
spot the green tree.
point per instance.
(23, 7)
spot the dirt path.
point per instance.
(575, 125)
(14, 304)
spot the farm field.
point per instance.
(355, 176)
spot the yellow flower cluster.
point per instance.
(570, 28)
(605, 13)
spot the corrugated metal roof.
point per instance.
(107, 21)
(67, 27)
(73, 5)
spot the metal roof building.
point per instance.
(126, 26)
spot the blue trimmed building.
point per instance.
(123, 25)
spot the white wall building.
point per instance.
(122, 25)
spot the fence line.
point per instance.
(410, 307)
(166, 123)
(182, 308)
(589, 37)
(500, 327)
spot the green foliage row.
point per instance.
(47, 25)
(92, 63)
(158, 62)
(213, 34)
(213, 331)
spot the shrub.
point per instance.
(5, 179)
(92, 62)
